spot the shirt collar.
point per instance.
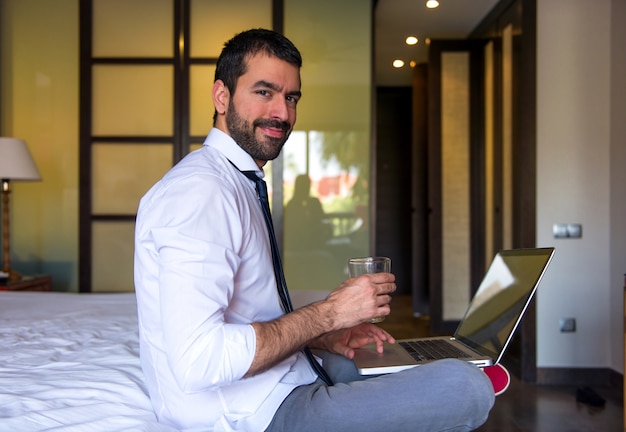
(223, 143)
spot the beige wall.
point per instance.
(580, 160)
(618, 182)
(40, 105)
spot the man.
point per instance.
(217, 350)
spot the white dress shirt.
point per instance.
(203, 274)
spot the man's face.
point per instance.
(262, 112)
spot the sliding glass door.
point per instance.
(147, 70)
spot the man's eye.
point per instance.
(292, 99)
(263, 92)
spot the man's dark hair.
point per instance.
(232, 62)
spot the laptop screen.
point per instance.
(501, 299)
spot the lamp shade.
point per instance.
(16, 162)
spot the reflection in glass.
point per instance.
(305, 209)
(502, 298)
(332, 141)
(325, 214)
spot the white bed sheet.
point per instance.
(70, 362)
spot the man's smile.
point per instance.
(273, 132)
(273, 128)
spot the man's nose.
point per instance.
(279, 109)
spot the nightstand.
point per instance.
(29, 283)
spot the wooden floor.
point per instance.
(526, 407)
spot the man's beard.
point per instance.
(244, 134)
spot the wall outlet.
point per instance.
(567, 325)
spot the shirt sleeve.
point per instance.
(197, 233)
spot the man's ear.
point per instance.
(221, 96)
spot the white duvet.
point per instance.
(70, 362)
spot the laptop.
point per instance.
(487, 326)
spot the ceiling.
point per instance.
(397, 19)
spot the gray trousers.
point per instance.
(448, 395)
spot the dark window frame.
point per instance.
(180, 140)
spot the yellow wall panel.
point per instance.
(138, 28)
(133, 100)
(39, 79)
(113, 249)
(122, 174)
(201, 100)
(215, 22)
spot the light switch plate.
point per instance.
(574, 230)
(567, 230)
(559, 230)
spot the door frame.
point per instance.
(522, 16)
(476, 174)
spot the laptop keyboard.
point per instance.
(434, 349)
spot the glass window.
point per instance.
(123, 173)
(215, 22)
(327, 158)
(133, 100)
(138, 28)
(113, 250)
(201, 99)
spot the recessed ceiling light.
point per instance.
(431, 4)
(398, 63)
(412, 63)
(411, 40)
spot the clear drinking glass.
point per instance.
(365, 265)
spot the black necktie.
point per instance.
(281, 283)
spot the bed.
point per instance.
(70, 362)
